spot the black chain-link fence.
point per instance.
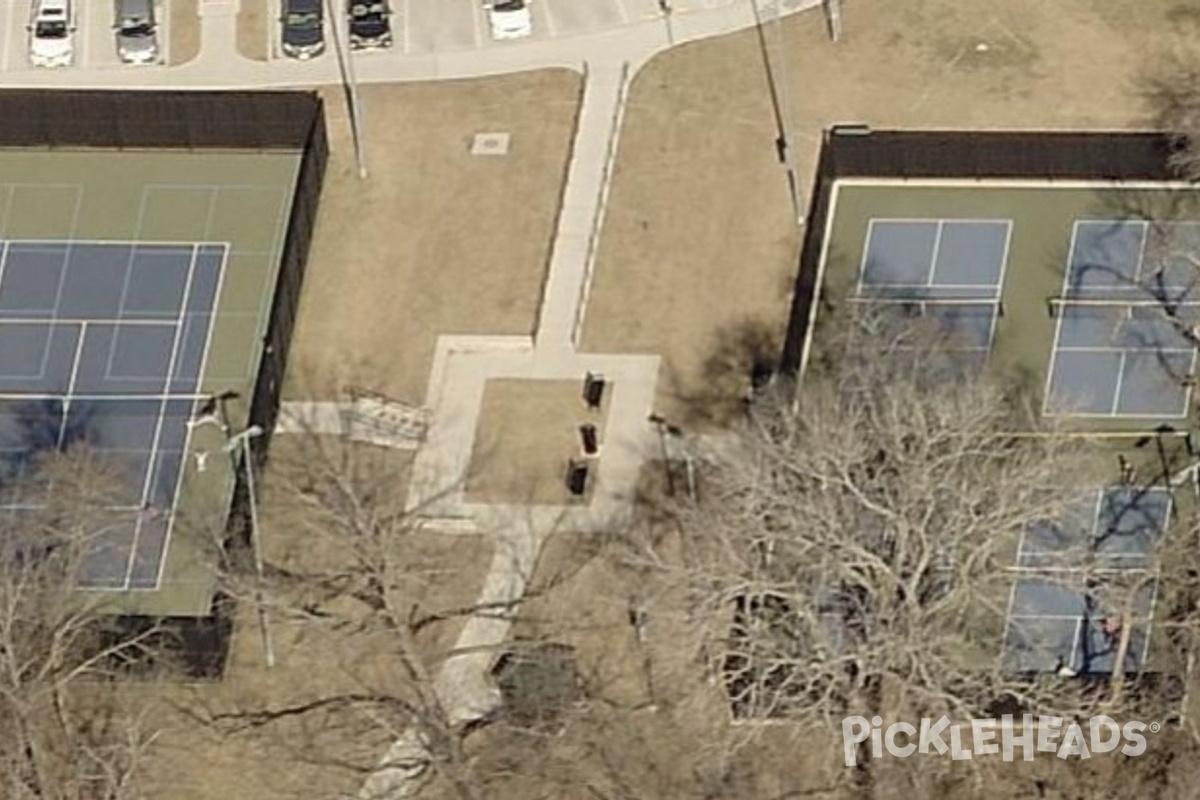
(156, 119)
(858, 152)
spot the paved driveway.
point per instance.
(422, 26)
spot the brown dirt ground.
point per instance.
(184, 33)
(436, 241)
(526, 433)
(252, 29)
(700, 237)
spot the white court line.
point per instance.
(862, 261)
(1140, 350)
(152, 468)
(1150, 620)
(3, 261)
(187, 436)
(937, 243)
(87, 397)
(932, 220)
(1141, 260)
(948, 286)
(818, 286)
(1008, 228)
(66, 403)
(80, 320)
(149, 243)
(1075, 641)
(1066, 282)
(46, 351)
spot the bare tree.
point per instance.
(363, 609)
(66, 732)
(1169, 91)
(853, 554)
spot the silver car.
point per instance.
(137, 31)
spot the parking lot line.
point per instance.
(80, 34)
(477, 14)
(624, 13)
(405, 25)
(11, 29)
(164, 33)
(549, 19)
(273, 12)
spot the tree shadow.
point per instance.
(742, 360)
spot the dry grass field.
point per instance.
(436, 241)
(527, 431)
(700, 237)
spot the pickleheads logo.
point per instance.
(990, 737)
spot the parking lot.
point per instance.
(422, 26)
(419, 26)
(450, 25)
(94, 41)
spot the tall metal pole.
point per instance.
(785, 102)
(345, 59)
(781, 100)
(240, 444)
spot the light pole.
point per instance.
(345, 61)
(781, 100)
(239, 445)
(664, 428)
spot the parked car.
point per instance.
(370, 24)
(137, 31)
(51, 33)
(510, 19)
(303, 34)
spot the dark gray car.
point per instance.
(303, 34)
(370, 24)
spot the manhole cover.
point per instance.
(490, 144)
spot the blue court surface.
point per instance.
(925, 259)
(1133, 259)
(104, 344)
(1056, 618)
(948, 271)
(1128, 321)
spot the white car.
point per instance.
(510, 19)
(51, 33)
